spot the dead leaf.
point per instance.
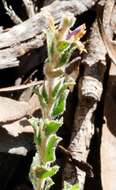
(11, 110)
(18, 127)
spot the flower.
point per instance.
(75, 36)
(78, 33)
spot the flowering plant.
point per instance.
(61, 43)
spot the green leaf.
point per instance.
(36, 160)
(36, 90)
(68, 186)
(49, 183)
(61, 86)
(40, 96)
(65, 86)
(50, 44)
(44, 94)
(35, 124)
(56, 89)
(33, 179)
(66, 55)
(75, 187)
(63, 45)
(44, 173)
(52, 126)
(53, 54)
(60, 104)
(32, 176)
(53, 140)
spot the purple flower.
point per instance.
(77, 33)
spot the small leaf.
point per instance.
(44, 173)
(60, 104)
(68, 186)
(66, 54)
(35, 124)
(61, 87)
(49, 183)
(36, 90)
(44, 94)
(53, 55)
(65, 86)
(36, 160)
(50, 45)
(56, 89)
(33, 179)
(75, 187)
(63, 45)
(53, 140)
(41, 98)
(52, 126)
(32, 176)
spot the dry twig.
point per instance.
(29, 7)
(20, 87)
(9, 10)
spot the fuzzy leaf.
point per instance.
(65, 86)
(61, 87)
(35, 124)
(44, 173)
(52, 126)
(33, 179)
(34, 164)
(44, 94)
(40, 96)
(60, 104)
(68, 186)
(56, 89)
(53, 55)
(50, 44)
(49, 183)
(75, 187)
(63, 45)
(53, 140)
(66, 55)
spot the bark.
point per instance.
(108, 140)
